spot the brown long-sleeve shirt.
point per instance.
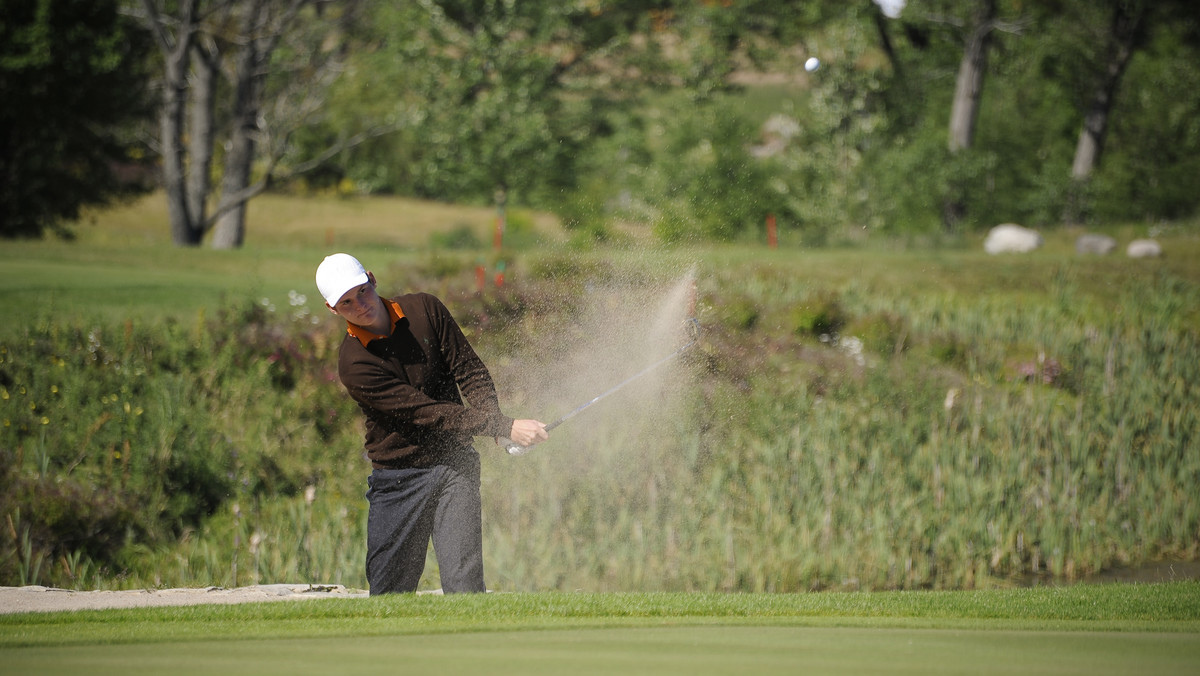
(407, 386)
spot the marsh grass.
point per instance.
(1057, 441)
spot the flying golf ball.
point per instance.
(812, 64)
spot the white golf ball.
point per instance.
(812, 64)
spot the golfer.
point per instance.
(405, 360)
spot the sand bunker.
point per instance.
(45, 599)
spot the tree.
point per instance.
(492, 99)
(71, 89)
(941, 132)
(175, 37)
(968, 91)
(968, 87)
(1126, 27)
(1118, 48)
(277, 58)
(305, 53)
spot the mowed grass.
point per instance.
(645, 650)
(290, 222)
(122, 264)
(1085, 629)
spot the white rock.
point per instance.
(1011, 238)
(1144, 248)
(1095, 244)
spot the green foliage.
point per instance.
(564, 269)
(1038, 87)
(120, 438)
(519, 231)
(714, 188)
(584, 210)
(72, 87)
(948, 348)
(1154, 145)
(621, 115)
(739, 313)
(820, 314)
(883, 333)
(311, 537)
(461, 237)
(484, 97)
(686, 167)
(933, 467)
(441, 265)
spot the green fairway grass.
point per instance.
(1084, 629)
(644, 650)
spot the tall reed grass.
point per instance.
(1056, 439)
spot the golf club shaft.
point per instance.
(516, 449)
(618, 386)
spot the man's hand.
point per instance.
(528, 432)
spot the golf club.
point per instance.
(514, 448)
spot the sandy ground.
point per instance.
(44, 599)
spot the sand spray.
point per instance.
(624, 335)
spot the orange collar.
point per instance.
(365, 336)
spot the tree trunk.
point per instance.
(249, 75)
(968, 91)
(230, 229)
(185, 230)
(189, 127)
(968, 88)
(201, 132)
(1126, 19)
(885, 38)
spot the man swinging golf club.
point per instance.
(405, 360)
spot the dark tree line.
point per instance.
(73, 77)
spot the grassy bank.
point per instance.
(1169, 607)
(851, 418)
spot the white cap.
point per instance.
(337, 274)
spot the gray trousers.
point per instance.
(407, 507)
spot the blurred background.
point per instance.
(692, 119)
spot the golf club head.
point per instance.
(513, 447)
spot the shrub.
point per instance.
(130, 437)
(948, 348)
(54, 518)
(881, 332)
(461, 237)
(739, 313)
(821, 314)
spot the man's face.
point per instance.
(360, 306)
